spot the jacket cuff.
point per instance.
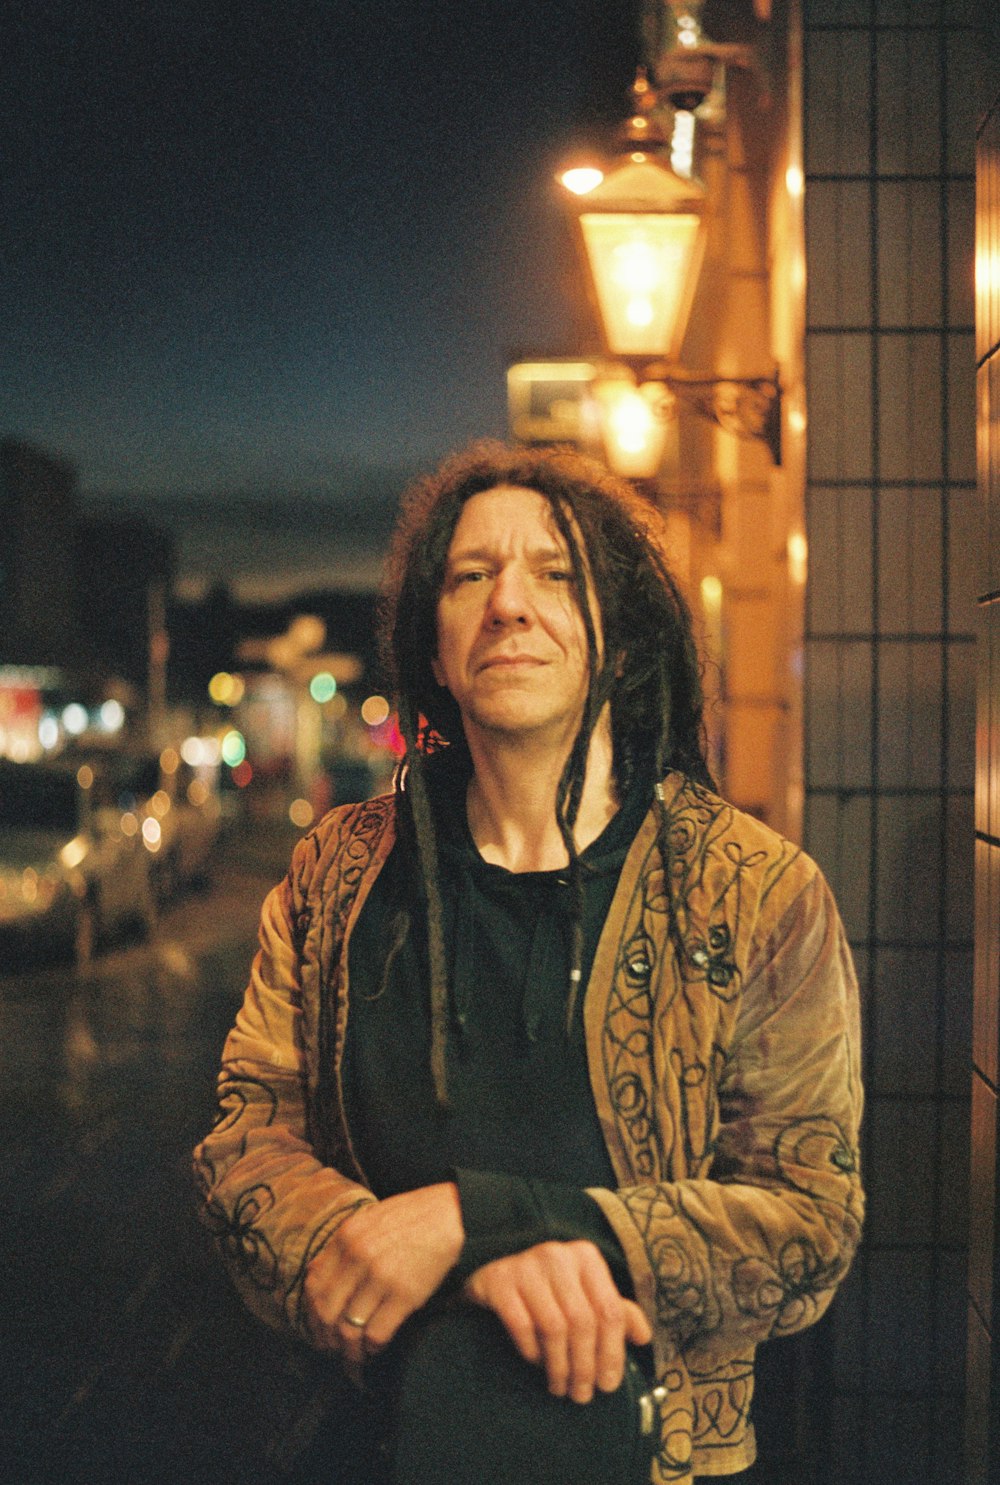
(504, 1214)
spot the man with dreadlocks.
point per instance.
(553, 1031)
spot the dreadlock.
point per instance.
(648, 668)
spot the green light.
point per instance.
(322, 687)
(234, 748)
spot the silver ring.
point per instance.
(353, 1320)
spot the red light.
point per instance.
(242, 774)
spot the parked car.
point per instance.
(70, 876)
(173, 809)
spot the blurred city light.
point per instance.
(322, 687)
(75, 719)
(234, 748)
(242, 774)
(301, 813)
(198, 792)
(73, 852)
(160, 803)
(112, 716)
(152, 833)
(85, 776)
(48, 731)
(374, 711)
(226, 689)
(170, 760)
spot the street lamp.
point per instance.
(642, 227)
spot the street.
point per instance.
(125, 1357)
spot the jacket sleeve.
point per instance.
(268, 1200)
(756, 1241)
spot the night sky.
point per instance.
(271, 249)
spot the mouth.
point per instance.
(510, 662)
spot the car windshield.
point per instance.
(35, 799)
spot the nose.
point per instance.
(509, 602)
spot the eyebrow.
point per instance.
(488, 554)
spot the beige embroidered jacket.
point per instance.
(726, 1077)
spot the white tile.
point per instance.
(966, 560)
(909, 705)
(838, 390)
(838, 253)
(839, 530)
(837, 834)
(910, 553)
(960, 842)
(956, 1043)
(908, 869)
(837, 94)
(963, 57)
(910, 426)
(903, 1046)
(961, 714)
(961, 227)
(900, 1330)
(961, 406)
(907, 99)
(901, 1168)
(909, 253)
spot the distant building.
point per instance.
(85, 594)
(123, 572)
(38, 616)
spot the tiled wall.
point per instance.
(890, 689)
(983, 1437)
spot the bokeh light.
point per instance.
(322, 687)
(234, 748)
(301, 813)
(374, 711)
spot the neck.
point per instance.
(512, 802)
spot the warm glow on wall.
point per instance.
(798, 557)
(634, 426)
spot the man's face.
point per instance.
(511, 642)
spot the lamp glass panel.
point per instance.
(640, 264)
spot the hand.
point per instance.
(383, 1263)
(561, 1308)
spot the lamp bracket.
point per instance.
(750, 407)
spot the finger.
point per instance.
(582, 1351)
(637, 1327)
(552, 1329)
(329, 1285)
(386, 1321)
(354, 1324)
(609, 1364)
(510, 1310)
(605, 1363)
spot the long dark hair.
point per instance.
(650, 670)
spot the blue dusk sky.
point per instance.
(283, 251)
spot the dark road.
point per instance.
(125, 1356)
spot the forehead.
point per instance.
(506, 516)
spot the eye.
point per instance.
(557, 575)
